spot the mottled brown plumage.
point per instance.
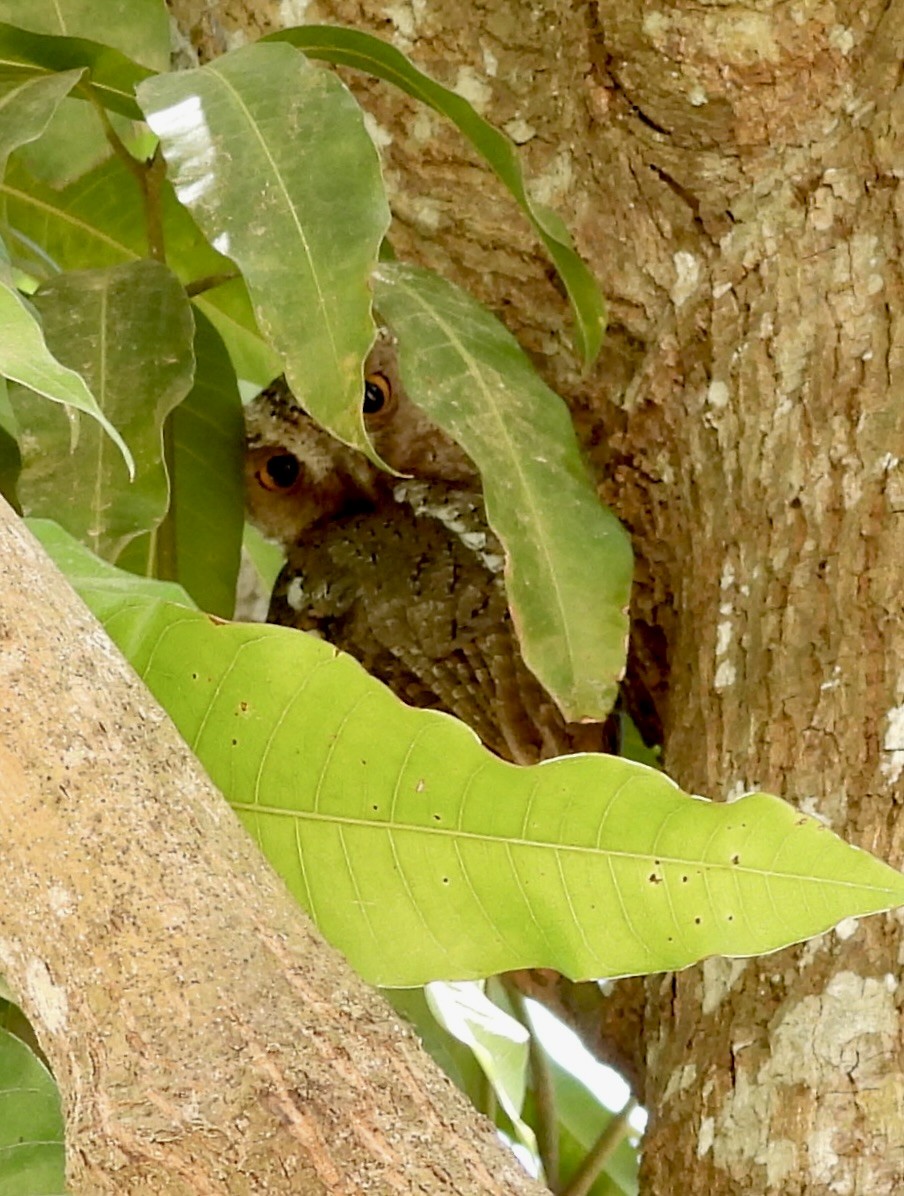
(402, 573)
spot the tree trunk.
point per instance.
(204, 1037)
(731, 173)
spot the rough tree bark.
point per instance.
(205, 1038)
(732, 174)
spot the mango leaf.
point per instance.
(73, 143)
(128, 331)
(112, 76)
(423, 857)
(99, 220)
(355, 48)
(91, 574)
(32, 1160)
(26, 110)
(139, 28)
(500, 1044)
(271, 155)
(568, 559)
(25, 358)
(207, 500)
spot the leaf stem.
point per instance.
(544, 1091)
(601, 1151)
(208, 282)
(166, 556)
(149, 176)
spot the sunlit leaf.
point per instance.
(423, 857)
(128, 331)
(499, 1042)
(568, 559)
(271, 155)
(356, 48)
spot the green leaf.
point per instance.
(271, 155)
(568, 559)
(128, 331)
(207, 498)
(32, 1160)
(90, 574)
(25, 358)
(423, 857)
(500, 1044)
(99, 220)
(26, 111)
(112, 77)
(139, 28)
(73, 143)
(355, 48)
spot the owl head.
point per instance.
(296, 473)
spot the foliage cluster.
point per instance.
(173, 238)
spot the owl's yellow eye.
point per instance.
(377, 393)
(279, 472)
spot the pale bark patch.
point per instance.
(824, 1042)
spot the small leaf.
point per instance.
(355, 48)
(271, 155)
(26, 111)
(207, 501)
(568, 559)
(25, 358)
(112, 76)
(32, 1160)
(128, 330)
(423, 857)
(499, 1042)
(139, 28)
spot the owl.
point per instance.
(401, 571)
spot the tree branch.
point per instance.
(204, 1037)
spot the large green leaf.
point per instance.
(207, 501)
(139, 28)
(568, 559)
(424, 857)
(112, 76)
(99, 220)
(25, 358)
(26, 110)
(355, 48)
(271, 155)
(128, 331)
(31, 1124)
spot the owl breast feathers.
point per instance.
(403, 573)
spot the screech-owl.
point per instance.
(403, 573)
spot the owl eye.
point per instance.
(377, 393)
(280, 472)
